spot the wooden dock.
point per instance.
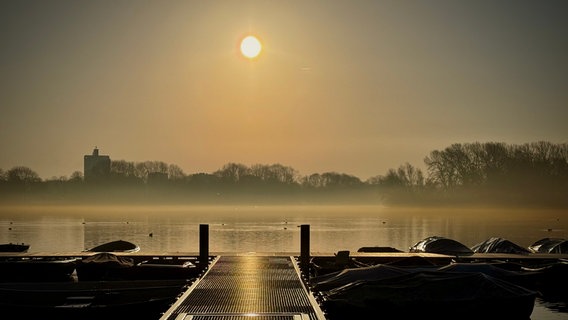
(248, 287)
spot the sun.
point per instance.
(250, 47)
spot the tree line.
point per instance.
(478, 173)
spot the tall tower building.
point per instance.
(96, 167)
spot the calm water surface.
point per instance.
(240, 229)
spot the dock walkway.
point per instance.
(247, 287)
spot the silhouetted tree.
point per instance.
(122, 168)
(406, 176)
(20, 174)
(76, 176)
(232, 172)
(175, 173)
(275, 173)
(314, 180)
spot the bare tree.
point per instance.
(232, 172)
(175, 172)
(21, 174)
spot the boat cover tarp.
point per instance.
(14, 247)
(103, 266)
(550, 245)
(412, 261)
(343, 277)
(108, 260)
(525, 279)
(436, 244)
(499, 245)
(432, 295)
(116, 246)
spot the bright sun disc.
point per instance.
(250, 47)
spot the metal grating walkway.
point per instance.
(247, 287)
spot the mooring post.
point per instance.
(203, 245)
(305, 248)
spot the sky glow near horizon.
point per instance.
(350, 87)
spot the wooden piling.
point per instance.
(203, 245)
(305, 248)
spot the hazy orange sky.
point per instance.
(354, 87)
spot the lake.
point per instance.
(242, 229)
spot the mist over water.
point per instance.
(250, 228)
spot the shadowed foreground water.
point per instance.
(240, 229)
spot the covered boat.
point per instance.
(346, 276)
(499, 245)
(442, 245)
(110, 267)
(116, 246)
(27, 269)
(431, 295)
(14, 247)
(551, 279)
(143, 299)
(496, 270)
(550, 245)
(162, 268)
(103, 266)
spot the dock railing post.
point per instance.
(305, 248)
(203, 245)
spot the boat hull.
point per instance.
(36, 269)
(90, 299)
(431, 295)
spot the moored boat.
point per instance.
(27, 269)
(165, 269)
(143, 299)
(549, 245)
(110, 267)
(340, 278)
(499, 245)
(116, 246)
(14, 247)
(103, 266)
(431, 295)
(441, 245)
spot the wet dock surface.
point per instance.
(247, 287)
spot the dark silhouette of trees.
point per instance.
(20, 179)
(483, 173)
(331, 180)
(175, 173)
(232, 172)
(403, 185)
(406, 176)
(536, 170)
(76, 176)
(22, 175)
(497, 164)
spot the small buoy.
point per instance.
(9, 228)
(384, 222)
(151, 234)
(549, 229)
